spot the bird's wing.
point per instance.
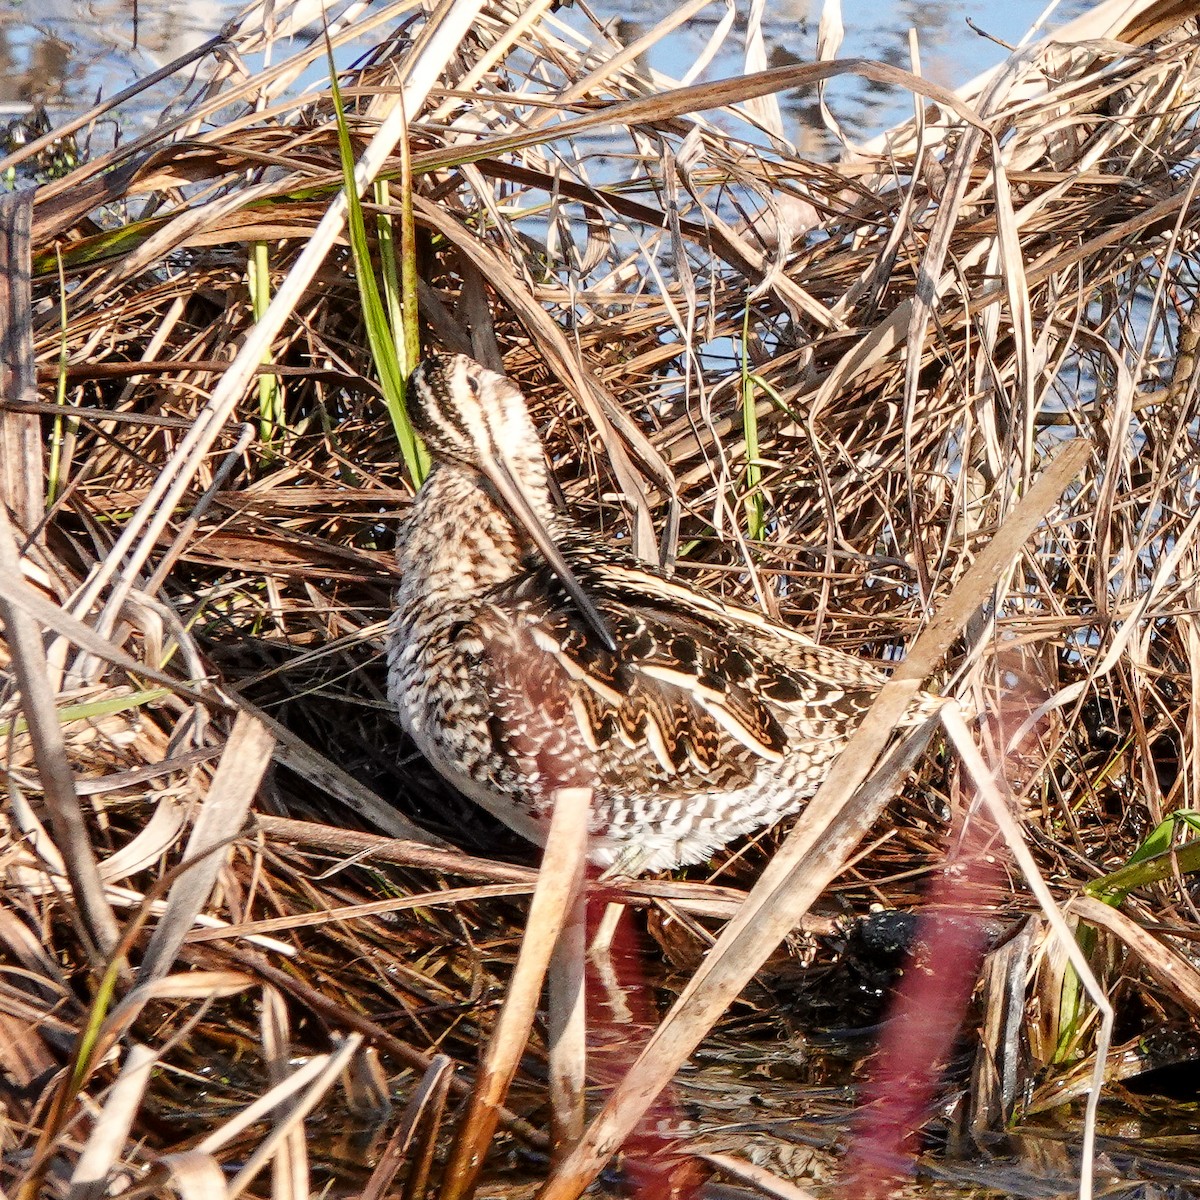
(691, 698)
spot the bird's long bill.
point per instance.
(509, 491)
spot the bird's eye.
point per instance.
(473, 384)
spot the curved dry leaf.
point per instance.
(106, 1141)
(155, 839)
(194, 1175)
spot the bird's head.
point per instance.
(471, 417)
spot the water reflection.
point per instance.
(951, 52)
(34, 74)
(75, 52)
(72, 54)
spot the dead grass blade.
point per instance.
(1014, 838)
(192, 1175)
(247, 753)
(419, 1124)
(757, 1177)
(100, 1153)
(1168, 966)
(352, 912)
(49, 747)
(289, 1178)
(324, 1071)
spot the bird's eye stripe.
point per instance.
(438, 411)
(448, 421)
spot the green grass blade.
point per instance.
(382, 341)
(91, 710)
(756, 524)
(1154, 861)
(270, 387)
(385, 231)
(408, 262)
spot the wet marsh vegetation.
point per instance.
(934, 403)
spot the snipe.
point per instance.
(524, 655)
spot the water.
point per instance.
(951, 52)
(68, 54)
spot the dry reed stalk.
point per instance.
(20, 434)
(566, 1021)
(553, 906)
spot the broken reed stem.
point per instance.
(554, 900)
(567, 1027)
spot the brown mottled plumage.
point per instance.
(523, 655)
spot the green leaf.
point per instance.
(381, 336)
